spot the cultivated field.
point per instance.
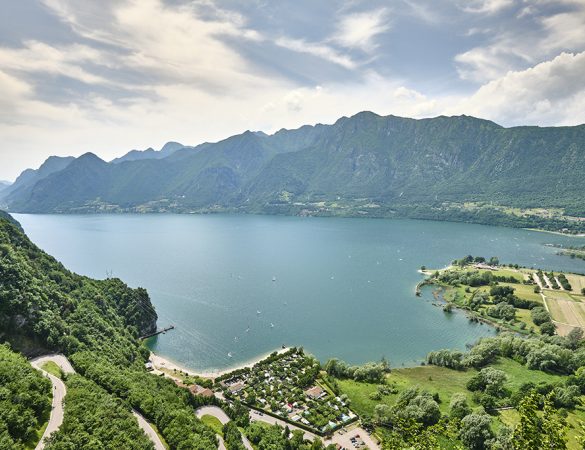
(567, 309)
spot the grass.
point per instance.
(447, 382)
(556, 311)
(443, 381)
(440, 380)
(511, 418)
(577, 282)
(524, 316)
(213, 423)
(160, 436)
(525, 291)
(52, 368)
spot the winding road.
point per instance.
(220, 415)
(59, 392)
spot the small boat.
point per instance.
(248, 330)
(271, 325)
(229, 354)
(273, 278)
(258, 312)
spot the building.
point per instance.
(315, 392)
(236, 387)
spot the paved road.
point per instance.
(220, 415)
(147, 428)
(255, 415)
(344, 439)
(59, 391)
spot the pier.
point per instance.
(157, 332)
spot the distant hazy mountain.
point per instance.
(4, 184)
(134, 155)
(362, 165)
(29, 177)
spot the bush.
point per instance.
(548, 328)
(540, 315)
(489, 380)
(459, 407)
(476, 431)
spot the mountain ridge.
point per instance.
(395, 163)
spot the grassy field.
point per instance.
(433, 379)
(213, 423)
(52, 368)
(447, 382)
(525, 291)
(577, 282)
(566, 308)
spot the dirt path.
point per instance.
(547, 281)
(536, 278)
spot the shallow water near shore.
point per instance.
(236, 286)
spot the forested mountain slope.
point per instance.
(96, 323)
(365, 165)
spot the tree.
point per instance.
(489, 380)
(539, 315)
(476, 431)
(548, 328)
(535, 432)
(554, 426)
(574, 337)
(459, 406)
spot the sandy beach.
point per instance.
(162, 362)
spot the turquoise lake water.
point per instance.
(236, 287)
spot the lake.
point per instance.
(237, 286)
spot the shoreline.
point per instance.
(159, 361)
(578, 235)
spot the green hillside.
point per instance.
(449, 168)
(25, 401)
(96, 324)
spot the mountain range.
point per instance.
(364, 165)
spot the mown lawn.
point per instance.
(52, 368)
(213, 423)
(525, 291)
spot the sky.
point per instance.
(108, 76)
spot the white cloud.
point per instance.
(486, 6)
(486, 63)
(358, 30)
(565, 31)
(193, 84)
(517, 48)
(552, 92)
(320, 50)
(38, 57)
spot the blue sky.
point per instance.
(112, 75)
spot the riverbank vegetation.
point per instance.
(25, 401)
(524, 300)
